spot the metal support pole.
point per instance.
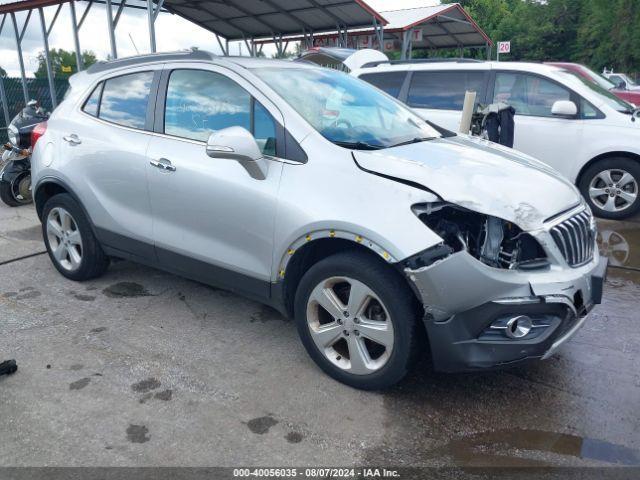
(110, 27)
(25, 92)
(47, 59)
(5, 105)
(405, 45)
(152, 25)
(76, 37)
(225, 51)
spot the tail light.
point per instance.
(37, 132)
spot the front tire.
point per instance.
(358, 320)
(71, 244)
(611, 187)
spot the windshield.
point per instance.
(347, 111)
(605, 96)
(599, 79)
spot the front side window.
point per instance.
(528, 94)
(389, 82)
(200, 102)
(345, 110)
(444, 90)
(604, 95)
(125, 99)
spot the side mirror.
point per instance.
(237, 143)
(564, 108)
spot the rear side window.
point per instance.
(200, 102)
(93, 102)
(389, 82)
(125, 99)
(444, 90)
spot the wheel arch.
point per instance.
(605, 156)
(312, 248)
(51, 186)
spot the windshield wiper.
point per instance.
(359, 145)
(413, 140)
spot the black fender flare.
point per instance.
(37, 190)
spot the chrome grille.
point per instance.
(575, 238)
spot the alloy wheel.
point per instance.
(613, 190)
(64, 238)
(350, 325)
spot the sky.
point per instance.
(132, 37)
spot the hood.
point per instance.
(479, 175)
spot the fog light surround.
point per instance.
(518, 327)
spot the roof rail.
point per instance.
(141, 59)
(422, 60)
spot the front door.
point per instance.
(211, 220)
(553, 140)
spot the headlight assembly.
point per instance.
(12, 133)
(493, 241)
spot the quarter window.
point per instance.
(125, 99)
(528, 94)
(200, 102)
(93, 102)
(389, 82)
(444, 90)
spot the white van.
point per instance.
(580, 129)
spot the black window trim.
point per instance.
(481, 97)
(148, 124)
(99, 85)
(287, 148)
(574, 96)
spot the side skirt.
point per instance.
(265, 292)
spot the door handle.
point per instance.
(72, 139)
(163, 164)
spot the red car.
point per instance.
(584, 72)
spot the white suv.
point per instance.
(580, 129)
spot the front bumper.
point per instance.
(463, 298)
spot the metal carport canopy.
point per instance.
(247, 19)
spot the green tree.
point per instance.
(62, 58)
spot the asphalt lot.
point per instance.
(142, 368)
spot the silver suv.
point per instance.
(314, 192)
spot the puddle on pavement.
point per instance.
(490, 448)
(620, 241)
(125, 290)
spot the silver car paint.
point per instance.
(328, 196)
(511, 186)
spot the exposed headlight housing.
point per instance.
(492, 240)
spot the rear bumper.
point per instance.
(464, 301)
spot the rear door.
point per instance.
(211, 220)
(105, 145)
(438, 95)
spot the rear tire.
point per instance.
(371, 314)
(611, 187)
(7, 196)
(71, 244)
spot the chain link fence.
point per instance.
(38, 89)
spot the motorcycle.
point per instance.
(15, 176)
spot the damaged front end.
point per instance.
(494, 294)
(493, 241)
